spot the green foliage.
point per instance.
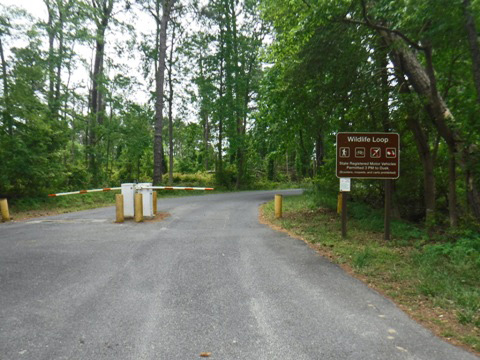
(450, 272)
(315, 84)
(362, 258)
(226, 178)
(200, 179)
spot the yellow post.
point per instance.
(278, 206)
(119, 208)
(154, 203)
(138, 207)
(339, 204)
(4, 210)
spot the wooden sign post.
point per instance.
(370, 156)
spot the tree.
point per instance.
(176, 35)
(161, 53)
(360, 94)
(235, 78)
(101, 12)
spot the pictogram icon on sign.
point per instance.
(391, 153)
(344, 152)
(359, 152)
(375, 152)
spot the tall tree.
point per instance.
(176, 37)
(424, 81)
(58, 13)
(161, 45)
(101, 12)
(170, 106)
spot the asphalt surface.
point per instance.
(209, 278)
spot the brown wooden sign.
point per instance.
(368, 155)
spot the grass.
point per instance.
(43, 206)
(436, 283)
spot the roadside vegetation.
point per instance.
(28, 207)
(436, 281)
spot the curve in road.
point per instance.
(208, 279)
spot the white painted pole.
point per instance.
(84, 191)
(179, 188)
(147, 192)
(128, 192)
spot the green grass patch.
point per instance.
(63, 203)
(425, 276)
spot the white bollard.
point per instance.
(147, 199)
(128, 192)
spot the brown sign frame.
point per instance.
(368, 155)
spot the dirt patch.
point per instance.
(159, 217)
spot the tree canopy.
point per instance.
(252, 90)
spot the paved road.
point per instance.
(209, 278)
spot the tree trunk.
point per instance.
(425, 154)
(286, 163)
(51, 55)
(472, 36)
(7, 116)
(96, 98)
(424, 82)
(242, 125)
(206, 135)
(110, 120)
(221, 99)
(159, 86)
(58, 75)
(472, 193)
(204, 113)
(319, 151)
(55, 29)
(237, 97)
(382, 59)
(105, 8)
(427, 159)
(170, 110)
(452, 193)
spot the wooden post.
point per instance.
(278, 206)
(120, 218)
(339, 204)
(4, 210)
(388, 208)
(344, 214)
(138, 207)
(154, 203)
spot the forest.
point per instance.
(100, 92)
